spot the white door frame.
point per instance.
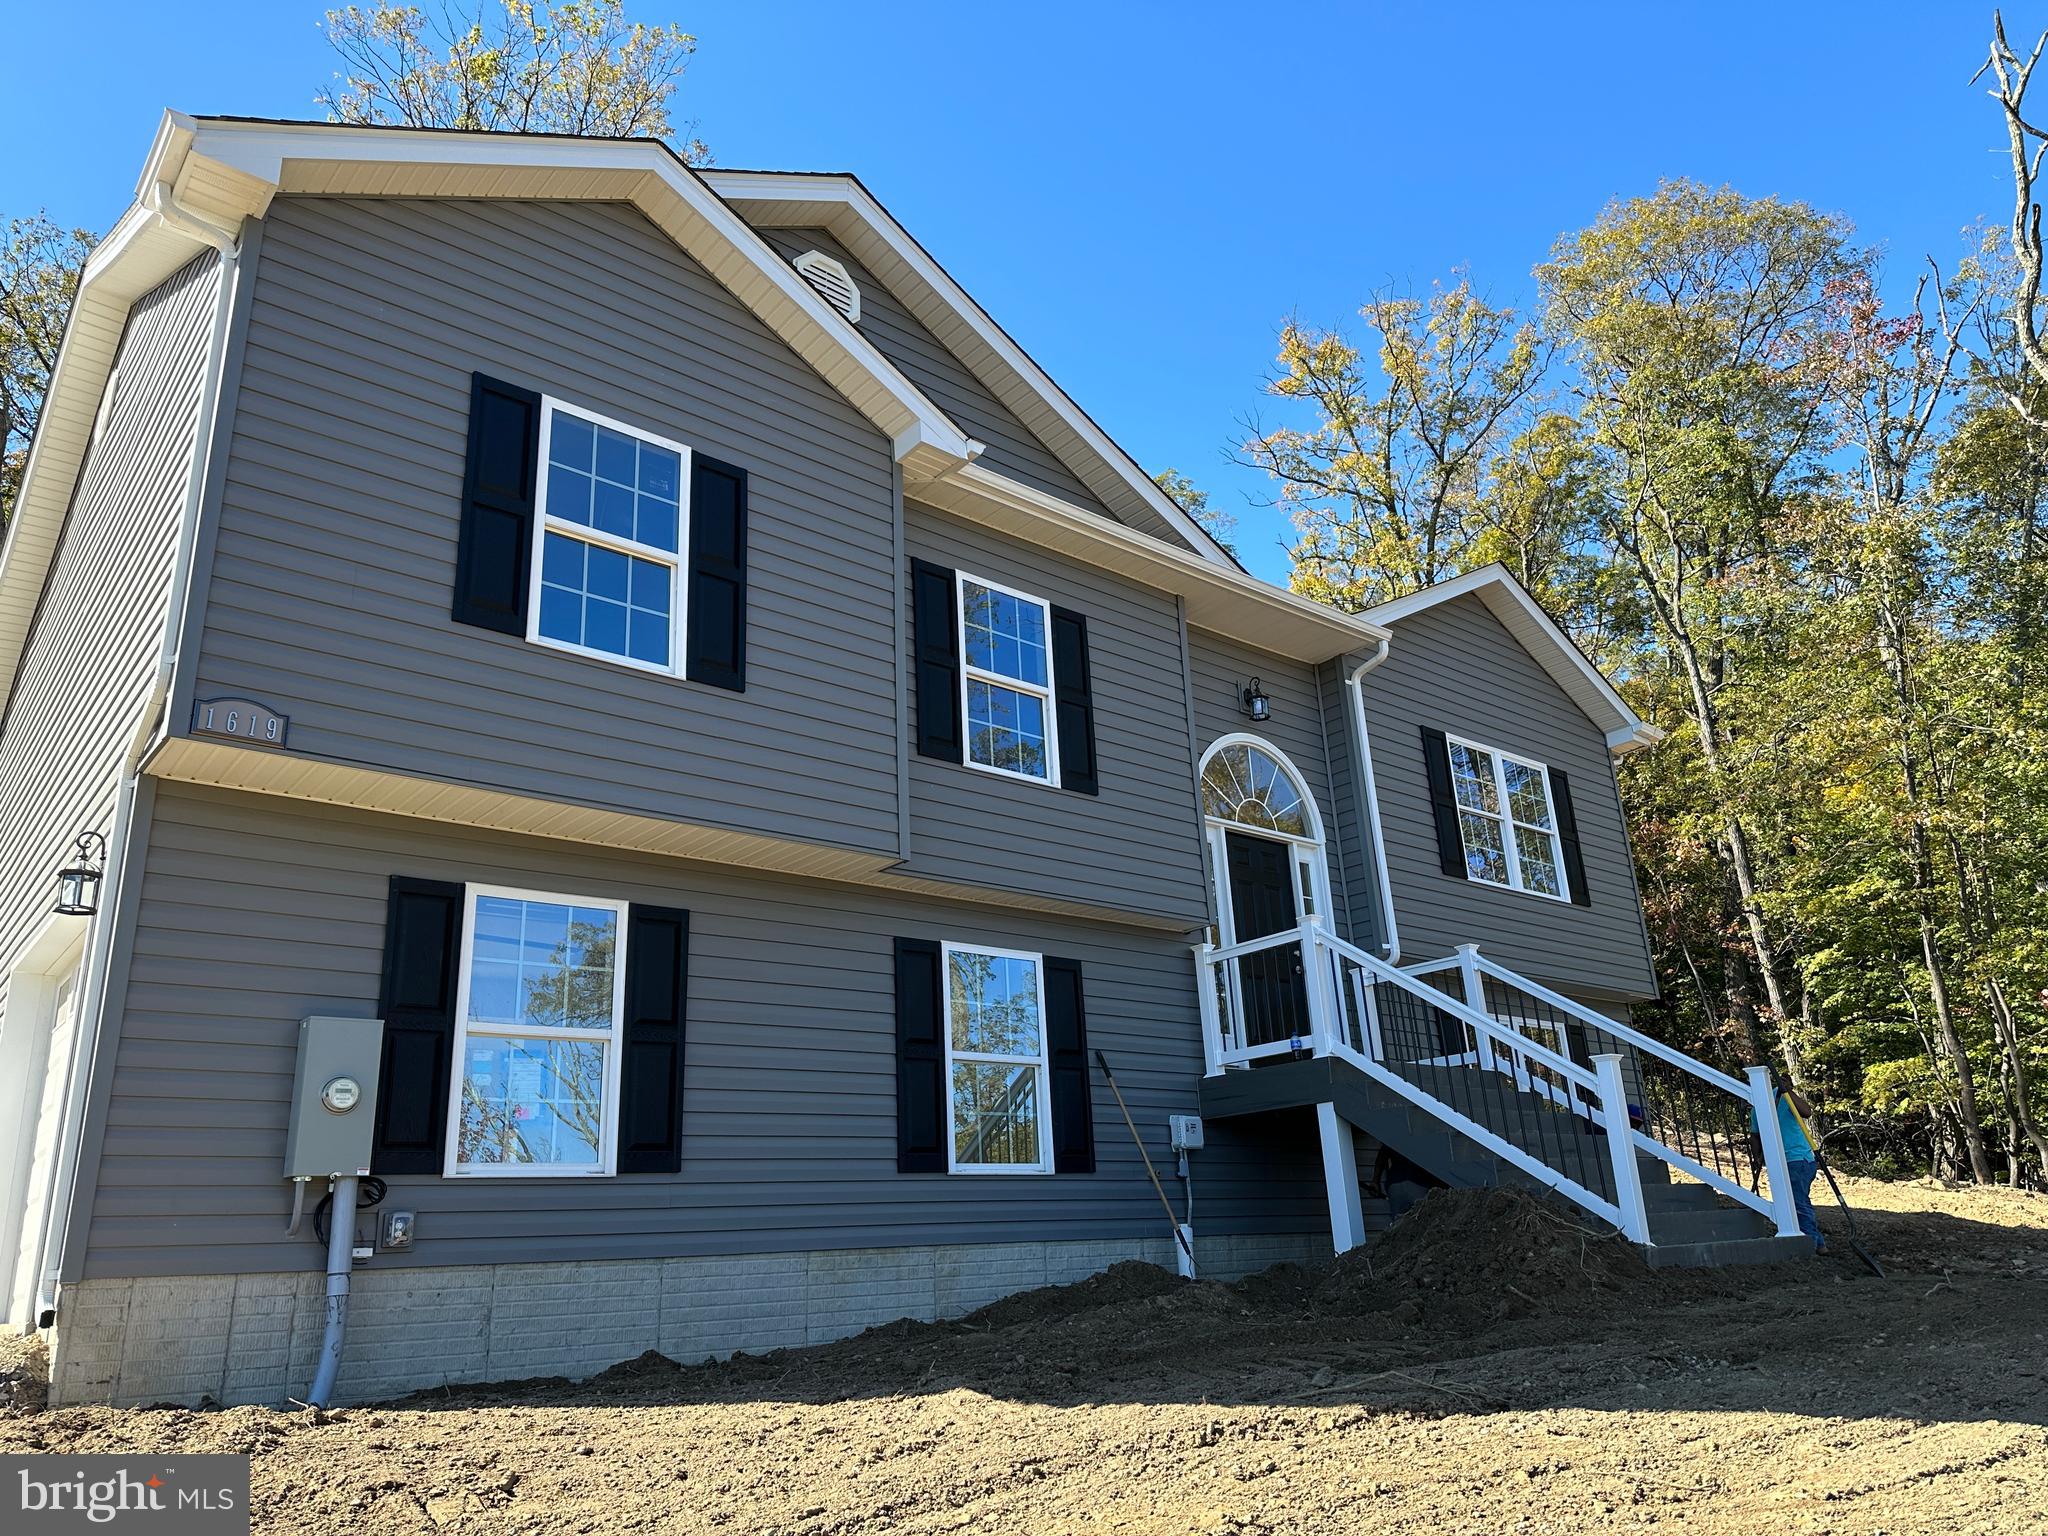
(1315, 866)
(52, 957)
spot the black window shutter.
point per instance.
(651, 1068)
(1066, 1041)
(1568, 835)
(935, 641)
(920, 1059)
(422, 954)
(1443, 802)
(493, 557)
(717, 623)
(1073, 701)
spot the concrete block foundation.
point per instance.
(253, 1338)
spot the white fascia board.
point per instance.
(833, 193)
(227, 170)
(1523, 617)
(139, 253)
(423, 162)
(1220, 598)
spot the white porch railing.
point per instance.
(1699, 1120)
(1502, 1073)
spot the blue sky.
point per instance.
(1140, 193)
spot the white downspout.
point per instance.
(1354, 683)
(161, 201)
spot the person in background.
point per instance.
(1400, 1182)
(1795, 1126)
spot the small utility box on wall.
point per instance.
(334, 1098)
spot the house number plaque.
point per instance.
(240, 719)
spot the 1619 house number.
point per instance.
(241, 719)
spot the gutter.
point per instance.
(1355, 684)
(160, 201)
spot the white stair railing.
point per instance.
(1420, 1042)
(1703, 1123)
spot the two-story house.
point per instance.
(648, 639)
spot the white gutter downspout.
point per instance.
(160, 201)
(1392, 942)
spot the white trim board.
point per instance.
(1551, 648)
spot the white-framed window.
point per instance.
(608, 540)
(538, 1014)
(1506, 819)
(1006, 681)
(998, 1096)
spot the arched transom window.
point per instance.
(1246, 784)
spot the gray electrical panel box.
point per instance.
(334, 1098)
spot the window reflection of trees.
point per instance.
(574, 990)
(994, 1011)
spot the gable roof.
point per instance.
(838, 203)
(223, 170)
(1552, 649)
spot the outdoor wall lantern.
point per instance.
(78, 888)
(1257, 707)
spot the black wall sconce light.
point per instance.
(1257, 707)
(78, 887)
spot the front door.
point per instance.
(1271, 989)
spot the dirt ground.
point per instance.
(1484, 1367)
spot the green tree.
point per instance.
(39, 266)
(1387, 485)
(1706, 345)
(1194, 501)
(573, 66)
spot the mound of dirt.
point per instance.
(1121, 1283)
(1480, 1255)
(1369, 1397)
(25, 1377)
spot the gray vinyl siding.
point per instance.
(1221, 669)
(92, 656)
(1455, 668)
(330, 586)
(944, 380)
(1355, 864)
(258, 911)
(1137, 844)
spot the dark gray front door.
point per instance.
(1271, 989)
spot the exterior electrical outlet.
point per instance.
(334, 1098)
(1186, 1131)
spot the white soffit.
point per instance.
(140, 252)
(1523, 617)
(840, 204)
(1219, 598)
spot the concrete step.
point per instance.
(1681, 1197)
(1741, 1250)
(1707, 1226)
